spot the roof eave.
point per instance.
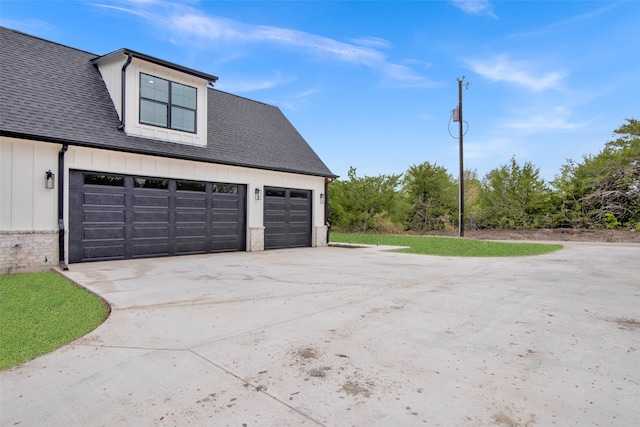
(126, 52)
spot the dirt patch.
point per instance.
(627, 324)
(558, 235)
(319, 373)
(307, 353)
(355, 388)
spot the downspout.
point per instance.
(61, 254)
(123, 92)
(326, 207)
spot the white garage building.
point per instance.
(126, 156)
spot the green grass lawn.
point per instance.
(40, 312)
(447, 246)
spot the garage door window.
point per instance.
(191, 186)
(276, 193)
(161, 184)
(101, 179)
(225, 188)
(299, 194)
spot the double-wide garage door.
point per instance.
(123, 217)
(287, 218)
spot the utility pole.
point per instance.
(461, 179)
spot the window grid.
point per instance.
(167, 104)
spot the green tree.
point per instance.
(365, 203)
(514, 196)
(603, 190)
(472, 189)
(431, 197)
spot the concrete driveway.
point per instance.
(341, 337)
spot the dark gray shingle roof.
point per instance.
(53, 93)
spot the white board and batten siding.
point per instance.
(27, 207)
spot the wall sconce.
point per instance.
(321, 198)
(49, 180)
(258, 194)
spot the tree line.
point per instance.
(600, 191)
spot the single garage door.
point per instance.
(123, 217)
(287, 218)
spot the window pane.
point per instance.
(162, 184)
(225, 188)
(276, 192)
(154, 88)
(299, 194)
(182, 119)
(191, 186)
(183, 96)
(153, 113)
(113, 180)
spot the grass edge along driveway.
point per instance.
(40, 312)
(447, 246)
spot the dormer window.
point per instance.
(167, 104)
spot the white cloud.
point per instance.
(501, 68)
(372, 42)
(557, 119)
(416, 62)
(244, 84)
(185, 21)
(567, 22)
(31, 26)
(407, 75)
(220, 29)
(137, 11)
(475, 7)
(306, 93)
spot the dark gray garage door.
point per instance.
(123, 217)
(287, 218)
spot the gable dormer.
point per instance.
(157, 99)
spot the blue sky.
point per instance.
(372, 84)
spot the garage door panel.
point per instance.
(103, 216)
(191, 202)
(297, 229)
(103, 253)
(276, 241)
(158, 216)
(104, 199)
(191, 231)
(103, 233)
(119, 217)
(191, 216)
(275, 216)
(146, 249)
(151, 232)
(299, 217)
(224, 217)
(224, 201)
(145, 200)
(193, 246)
(298, 241)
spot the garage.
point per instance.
(287, 218)
(114, 216)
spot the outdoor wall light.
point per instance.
(321, 198)
(258, 194)
(49, 179)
